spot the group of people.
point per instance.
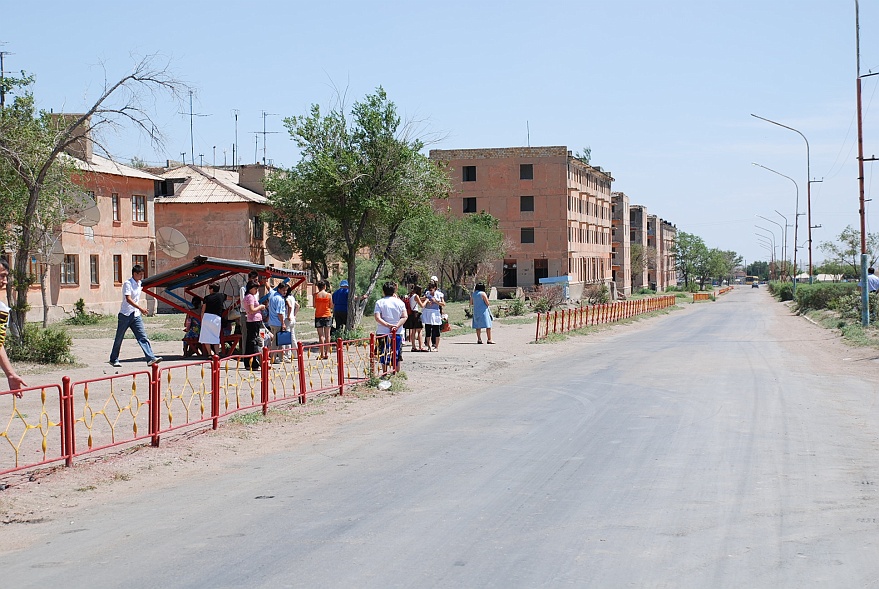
(425, 316)
(274, 312)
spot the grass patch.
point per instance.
(251, 418)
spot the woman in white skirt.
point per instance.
(212, 320)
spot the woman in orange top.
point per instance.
(323, 316)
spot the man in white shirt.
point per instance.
(130, 318)
(390, 315)
(15, 381)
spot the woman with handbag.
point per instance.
(415, 304)
(432, 315)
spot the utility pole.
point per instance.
(2, 84)
(865, 291)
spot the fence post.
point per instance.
(265, 365)
(372, 354)
(537, 331)
(300, 362)
(340, 365)
(67, 438)
(215, 391)
(155, 386)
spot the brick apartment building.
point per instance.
(638, 236)
(621, 242)
(661, 236)
(554, 209)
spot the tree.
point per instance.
(367, 177)
(690, 257)
(642, 256)
(846, 251)
(31, 144)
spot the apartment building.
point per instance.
(638, 238)
(621, 243)
(661, 236)
(554, 209)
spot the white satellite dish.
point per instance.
(278, 248)
(83, 210)
(172, 242)
(56, 255)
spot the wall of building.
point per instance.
(124, 238)
(621, 240)
(570, 218)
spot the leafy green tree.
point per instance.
(691, 257)
(846, 250)
(758, 268)
(367, 176)
(837, 269)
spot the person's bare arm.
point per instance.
(15, 381)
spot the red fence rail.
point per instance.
(566, 320)
(59, 422)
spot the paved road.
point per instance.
(700, 450)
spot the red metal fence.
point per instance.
(566, 320)
(56, 422)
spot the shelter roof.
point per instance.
(207, 185)
(202, 271)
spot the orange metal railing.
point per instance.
(565, 320)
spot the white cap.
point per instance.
(434, 278)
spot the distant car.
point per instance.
(755, 285)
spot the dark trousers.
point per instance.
(432, 334)
(251, 343)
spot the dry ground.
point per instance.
(434, 380)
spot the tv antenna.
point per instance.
(264, 133)
(235, 152)
(2, 85)
(192, 115)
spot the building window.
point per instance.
(69, 269)
(94, 273)
(117, 269)
(470, 204)
(526, 203)
(142, 261)
(35, 269)
(526, 171)
(115, 199)
(138, 208)
(257, 228)
(469, 173)
(527, 234)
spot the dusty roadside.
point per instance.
(53, 496)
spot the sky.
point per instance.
(661, 92)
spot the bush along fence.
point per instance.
(570, 319)
(58, 422)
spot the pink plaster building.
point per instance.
(95, 251)
(554, 209)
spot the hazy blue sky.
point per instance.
(661, 91)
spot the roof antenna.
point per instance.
(528, 129)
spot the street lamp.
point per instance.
(796, 216)
(785, 237)
(808, 185)
(772, 237)
(783, 256)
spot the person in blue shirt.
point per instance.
(340, 305)
(277, 314)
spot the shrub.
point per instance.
(646, 291)
(596, 294)
(783, 291)
(813, 297)
(516, 307)
(849, 306)
(44, 346)
(546, 298)
(81, 316)
(346, 334)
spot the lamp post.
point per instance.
(772, 241)
(785, 240)
(796, 216)
(808, 185)
(765, 243)
(783, 256)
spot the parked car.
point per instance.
(755, 285)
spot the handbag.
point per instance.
(285, 338)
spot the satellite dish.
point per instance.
(83, 210)
(56, 255)
(172, 242)
(278, 248)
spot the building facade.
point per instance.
(621, 242)
(554, 210)
(638, 239)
